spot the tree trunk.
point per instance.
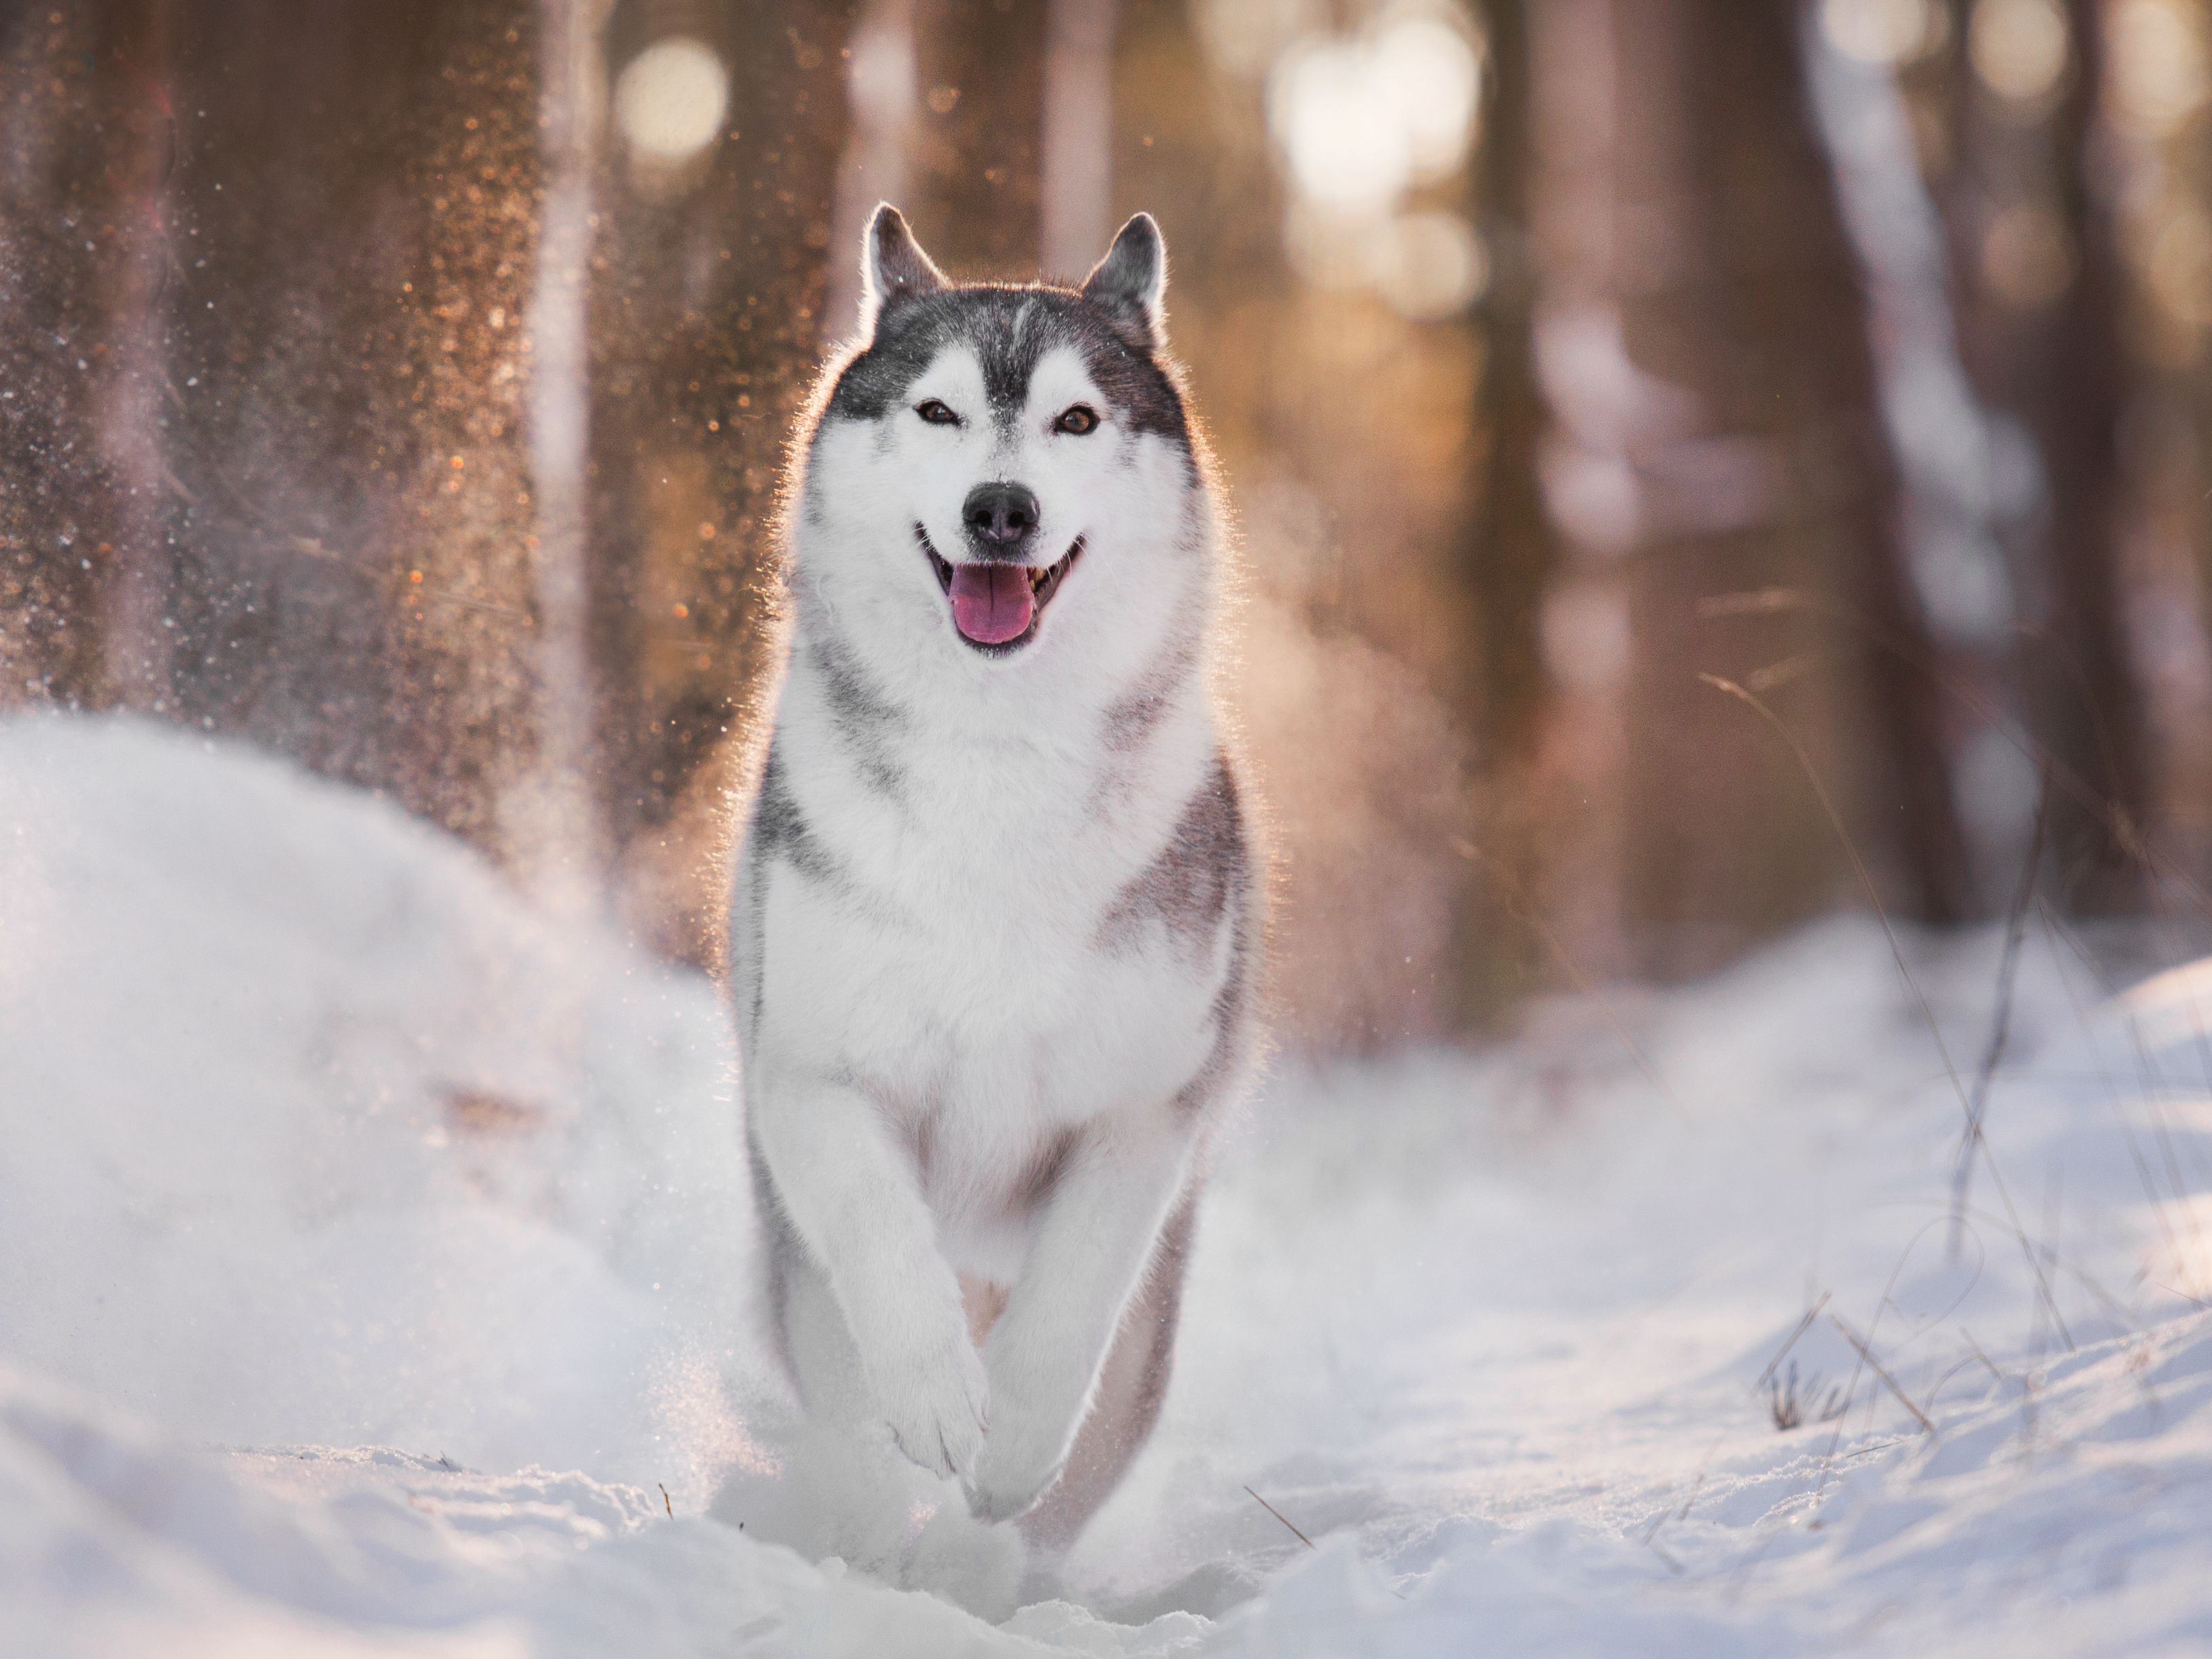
(1512, 550)
(85, 282)
(2087, 692)
(978, 202)
(707, 322)
(2045, 343)
(1509, 553)
(558, 827)
(1078, 136)
(1765, 467)
(354, 196)
(884, 99)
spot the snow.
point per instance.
(372, 1281)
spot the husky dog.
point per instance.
(995, 925)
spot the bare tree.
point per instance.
(2043, 289)
(880, 79)
(1769, 470)
(2089, 705)
(977, 178)
(1509, 553)
(564, 844)
(707, 318)
(1510, 547)
(85, 119)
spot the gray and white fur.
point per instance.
(996, 922)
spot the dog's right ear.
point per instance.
(893, 267)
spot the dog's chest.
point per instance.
(1019, 1014)
(952, 946)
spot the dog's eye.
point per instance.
(936, 413)
(1076, 420)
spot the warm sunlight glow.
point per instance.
(1359, 119)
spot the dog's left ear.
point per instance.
(1131, 283)
(893, 267)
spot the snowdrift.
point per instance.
(372, 1280)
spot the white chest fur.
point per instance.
(945, 943)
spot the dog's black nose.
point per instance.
(1001, 517)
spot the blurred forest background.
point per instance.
(404, 386)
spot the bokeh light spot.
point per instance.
(2019, 48)
(1433, 266)
(1360, 118)
(2159, 63)
(1884, 31)
(2180, 266)
(671, 99)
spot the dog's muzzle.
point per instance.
(997, 604)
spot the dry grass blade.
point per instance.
(2001, 1022)
(1875, 1366)
(1281, 1516)
(1782, 1353)
(2120, 823)
(1905, 971)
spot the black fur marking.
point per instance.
(1042, 1175)
(1132, 1386)
(898, 270)
(1127, 281)
(1131, 720)
(1010, 330)
(1196, 875)
(782, 1248)
(755, 965)
(1164, 1277)
(783, 832)
(862, 714)
(1228, 1016)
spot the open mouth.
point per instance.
(996, 607)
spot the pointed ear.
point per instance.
(893, 267)
(1132, 281)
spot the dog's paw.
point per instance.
(1022, 1455)
(934, 1398)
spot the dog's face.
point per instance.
(1002, 478)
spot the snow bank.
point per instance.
(317, 1138)
(314, 1133)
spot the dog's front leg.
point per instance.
(1097, 1236)
(851, 1195)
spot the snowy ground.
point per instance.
(372, 1281)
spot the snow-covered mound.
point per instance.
(314, 1131)
(315, 1138)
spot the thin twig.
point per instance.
(1988, 1364)
(1874, 1365)
(1781, 1353)
(1285, 1519)
(2001, 1024)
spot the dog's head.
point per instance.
(1004, 475)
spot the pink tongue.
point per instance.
(991, 602)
